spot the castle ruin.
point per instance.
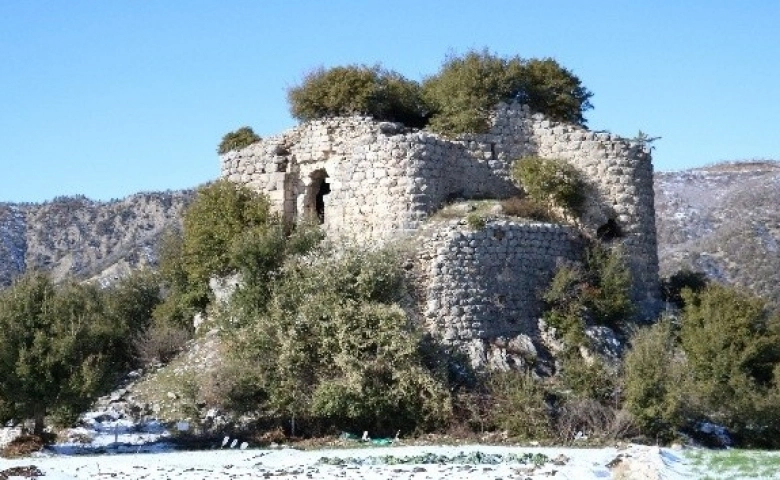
(374, 181)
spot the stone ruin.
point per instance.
(478, 289)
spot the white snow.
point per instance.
(638, 462)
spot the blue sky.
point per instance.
(107, 98)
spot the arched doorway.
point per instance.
(314, 199)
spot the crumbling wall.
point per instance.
(386, 181)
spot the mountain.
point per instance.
(84, 238)
(722, 220)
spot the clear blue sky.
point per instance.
(107, 98)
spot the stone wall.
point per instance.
(385, 180)
(481, 287)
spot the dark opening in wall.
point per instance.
(314, 200)
(320, 200)
(609, 231)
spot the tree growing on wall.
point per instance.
(236, 140)
(551, 182)
(458, 99)
(468, 87)
(357, 90)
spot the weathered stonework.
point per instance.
(376, 181)
(481, 287)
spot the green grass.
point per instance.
(735, 464)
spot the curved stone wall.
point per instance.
(481, 285)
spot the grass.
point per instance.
(720, 464)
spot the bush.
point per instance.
(59, 348)
(160, 344)
(655, 381)
(241, 138)
(519, 406)
(345, 355)
(551, 182)
(475, 221)
(467, 88)
(672, 287)
(357, 90)
(595, 292)
(526, 207)
(587, 379)
(549, 88)
(598, 422)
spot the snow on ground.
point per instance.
(638, 462)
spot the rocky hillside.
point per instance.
(722, 220)
(85, 238)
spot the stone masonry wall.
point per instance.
(386, 181)
(483, 285)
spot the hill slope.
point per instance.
(85, 238)
(722, 220)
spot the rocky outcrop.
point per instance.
(86, 239)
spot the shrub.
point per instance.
(672, 287)
(549, 88)
(344, 355)
(519, 406)
(551, 182)
(220, 213)
(357, 90)
(468, 87)
(236, 140)
(655, 381)
(587, 379)
(526, 207)
(593, 419)
(59, 348)
(595, 292)
(475, 221)
(160, 344)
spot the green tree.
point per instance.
(57, 348)
(129, 304)
(549, 88)
(357, 90)
(236, 140)
(467, 88)
(598, 291)
(731, 342)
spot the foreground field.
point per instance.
(736, 464)
(405, 462)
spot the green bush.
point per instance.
(721, 366)
(60, 349)
(344, 355)
(672, 287)
(587, 379)
(241, 138)
(551, 89)
(468, 87)
(595, 292)
(656, 380)
(519, 406)
(357, 90)
(475, 221)
(551, 182)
